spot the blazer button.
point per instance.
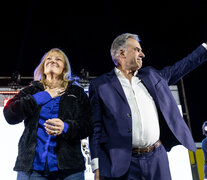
(129, 130)
(128, 115)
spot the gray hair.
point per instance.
(120, 43)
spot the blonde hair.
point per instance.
(66, 74)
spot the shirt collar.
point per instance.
(118, 72)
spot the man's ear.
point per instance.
(121, 53)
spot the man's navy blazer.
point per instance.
(111, 142)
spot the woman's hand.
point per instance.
(54, 126)
(54, 92)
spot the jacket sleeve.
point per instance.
(19, 107)
(80, 127)
(94, 139)
(175, 72)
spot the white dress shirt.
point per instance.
(145, 123)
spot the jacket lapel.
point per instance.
(113, 79)
(150, 86)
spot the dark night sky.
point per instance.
(169, 30)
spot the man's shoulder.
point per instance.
(148, 70)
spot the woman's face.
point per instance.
(54, 64)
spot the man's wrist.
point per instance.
(94, 164)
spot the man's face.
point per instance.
(54, 63)
(132, 56)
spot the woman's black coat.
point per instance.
(74, 109)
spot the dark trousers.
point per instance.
(149, 166)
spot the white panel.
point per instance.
(10, 135)
(180, 163)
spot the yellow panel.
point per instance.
(192, 159)
(200, 161)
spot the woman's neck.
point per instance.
(53, 82)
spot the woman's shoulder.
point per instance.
(33, 86)
(75, 86)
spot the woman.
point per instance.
(56, 115)
(204, 148)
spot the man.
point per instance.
(135, 116)
(204, 148)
